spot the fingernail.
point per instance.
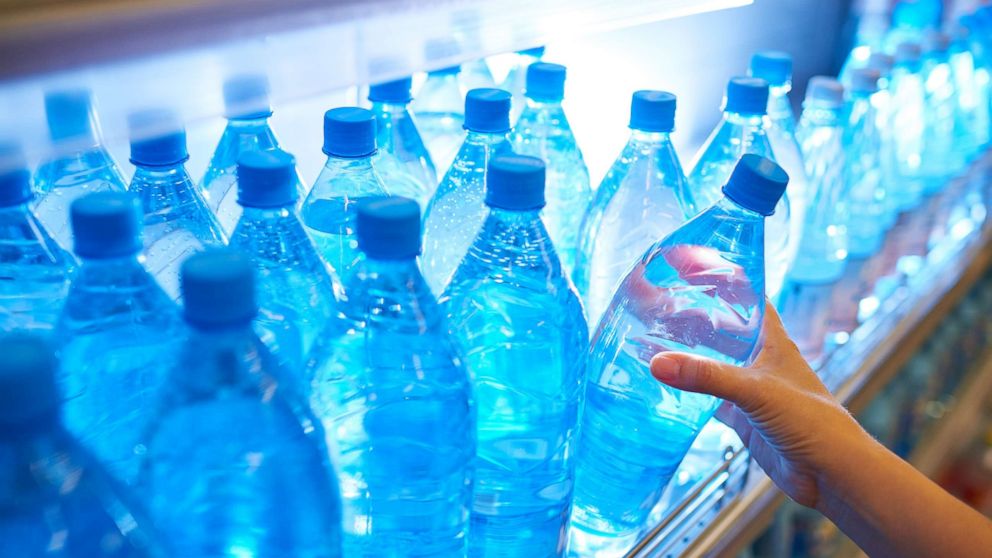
(665, 368)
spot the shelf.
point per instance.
(856, 371)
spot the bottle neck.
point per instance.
(256, 214)
(545, 105)
(485, 138)
(730, 207)
(744, 120)
(247, 125)
(820, 115)
(391, 109)
(515, 217)
(349, 164)
(149, 176)
(654, 139)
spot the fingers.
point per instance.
(774, 340)
(702, 375)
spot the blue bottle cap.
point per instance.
(865, 80)
(349, 132)
(487, 110)
(536, 52)
(69, 114)
(773, 66)
(825, 91)
(15, 178)
(515, 182)
(746, 95)
(881, 62)
(396, 91)
(388, 228)
(652, 111)
(266, 179)
(158, 138)
(28, 394)
(757, 184)
(545, 82)
(218, 288)
(106, 225)
(908, 53)
(246, 97)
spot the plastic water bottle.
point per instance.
(941, 158)
(972, 96)
(516, 79)
(177, 220)
(823, 248)
(117, 335)
(700, 290)
(56, 499)
(908, 124)
(780, 126)
(34, 269)
(543, 131)
(882, 101)
(741, 131)
(79, 163)
(519, 324)
(246, 105)
(348, 177)
(440, 110)
(235, 463)
(865, 169)
(982, 77)
(404, 162)
(456, 212)
(387, 382)
(643, 197)
(296, 292)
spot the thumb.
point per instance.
(700, 375)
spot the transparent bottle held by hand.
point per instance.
(78, 164)
(456, 211)
(247, 108)
(56, 499)
(543, 131)
(741, 131)
(519, 324)
(700, 290)
(177, 221)
(34, 270)
(643, 197)
(389, 388)
(236, 464)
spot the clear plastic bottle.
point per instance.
(699, 290)
(882, 101)
(973, 117)
(387, 382)
(78, 164)
(981, 51)
(519, 324)
(177, 220)
(236, 464)
(456, 212)
(642, 199)
(296, 291)
(246, 105)
(34, 270)
(543, 132)
(404, 163)
(864, 167)
(908, 125)
(516, 79)
(741, 131)
(941, 157)
(117, 334)
(348, 177)
(822, 251)
(56, 499)
(440, 110)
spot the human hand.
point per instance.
(793, 427)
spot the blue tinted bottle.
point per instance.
(543, 131)
(440, 110)
(78, 163)
(296, 291)
(643, 197)
(235, 462)
(908, 121)
(117, 334)
(177, 222)
(247, 108)
(864, 166)
(404, 163)
(34, 270)
(635, 431)
(456, 211)
(349, 176)
(519, 324)
(388, 383)
(56, 499)
(942, 157)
